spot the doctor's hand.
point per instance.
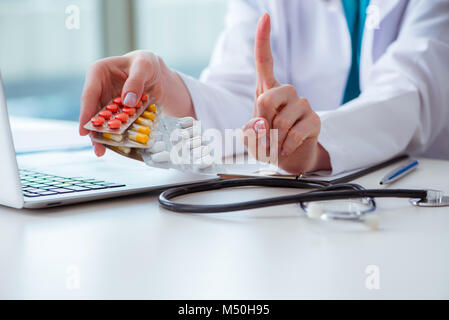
(129, 76)
(279, 107)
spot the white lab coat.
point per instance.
(404, 72)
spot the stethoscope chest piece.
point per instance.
(355, 210)
(431, 203)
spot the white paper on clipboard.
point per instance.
(245, 168)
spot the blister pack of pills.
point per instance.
(180, 146)
(143, 134)
(126, 127)
(140, 134)
(115, 117)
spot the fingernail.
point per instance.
(97, 153)
(259, 125)
(130, 99)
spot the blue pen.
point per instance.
(400, 172)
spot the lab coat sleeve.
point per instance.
(224, 96)
(405, 102)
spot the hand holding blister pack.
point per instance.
(142, 133)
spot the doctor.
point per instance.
(346, 83)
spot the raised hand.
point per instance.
(278, 106)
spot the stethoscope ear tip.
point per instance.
(314, 210)
(372, 221)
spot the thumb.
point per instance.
(263, 55)
(133, 87)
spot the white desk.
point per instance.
(132, 248)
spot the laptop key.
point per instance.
(37, 176)
(81, 183)
(29, 194)
(35, 190)
(68, 180)
(37, 180)
(94, 187)
(33, 184)
(42, 186)
(47, 193)
(48, 180)
(40, 191)
(52, 184)
(28, 186)
(61, 190)
(62, 185)
(78, 188)
(113, 185)
(92, 180)
(57, 179)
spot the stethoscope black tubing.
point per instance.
(328, 192)
(338, 186)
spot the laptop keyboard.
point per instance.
(36, 184)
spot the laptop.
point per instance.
(49, 180)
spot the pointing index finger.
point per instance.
(262, 53)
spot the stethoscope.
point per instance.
(337, 189)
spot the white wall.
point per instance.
(182, 32)
(35, 43)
